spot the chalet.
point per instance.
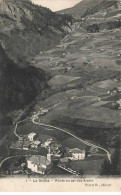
(115, 105)
(119, 89)
(74, 97)
(35, 144)
(54, 149)
(56, 146)
(119, 103)
(67, 69)
(115, 79)
(47, 143)
(44, 111)
(32, 136)
(77, 154)
(40, 164)
(99, 99)
(21, 138)
(113, 91)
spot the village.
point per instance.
(54, 154)
(42, 155)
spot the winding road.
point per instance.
(85, 142)
(15, 130)
(58, 129)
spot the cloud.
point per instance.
(55, 5)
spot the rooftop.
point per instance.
(76, 150)
(36, 142)
(32, 134)
(114, 89)
(119, 88)
(39, 160)
(26, 144)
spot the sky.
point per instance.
(56, 5)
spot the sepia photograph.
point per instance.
(60, 95)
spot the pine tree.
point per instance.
(105, 168)
(113, 168)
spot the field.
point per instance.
(89, 167)
(85, 104)
(61, 80)
(87, 112)
(90, 58)
(44, 133)
(78, 102)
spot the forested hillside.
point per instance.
(18, 86)
(26, 29)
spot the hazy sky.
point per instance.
(55, 5)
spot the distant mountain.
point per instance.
(26, 29)
(105, 8)
(97, 14)
(79, 9)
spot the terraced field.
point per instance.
(83, 67)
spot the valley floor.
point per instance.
(83, 95)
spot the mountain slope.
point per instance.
(79, 9)
(105, 8)
(106, 15)
(18, 86)
(96, 15)
(26, 29)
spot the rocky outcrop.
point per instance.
(26, 28)
(13, 9)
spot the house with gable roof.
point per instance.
(31, 136)
(40, 164)
(77, 154)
